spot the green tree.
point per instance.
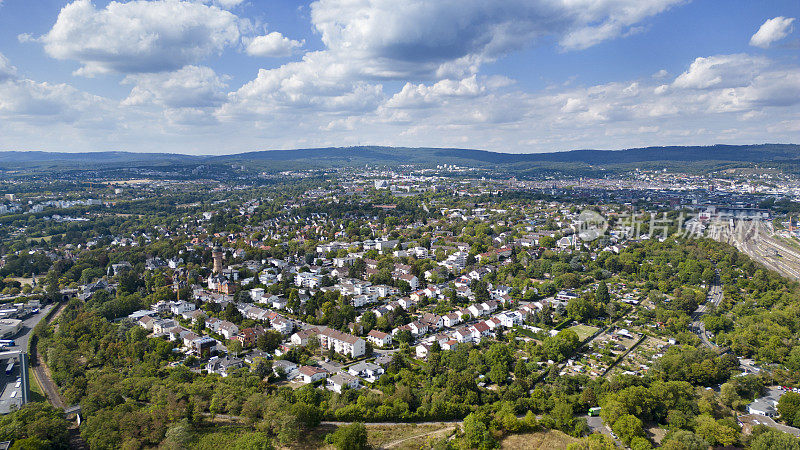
(595, 441)
(38, 421)
(269, 341)
(234, 347)
(498, 374)
(601, 294)
(476, 433)
(771, 439)
(307, 414)
(350, 437)
(684, 440)
(628, 427)
(564, 416)
(404, 337)
(789, 407)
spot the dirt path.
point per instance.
(443, 432)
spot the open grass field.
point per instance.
(230, 435)
(28, 280)
(46, 238)
(224, 433)
(407, 436)
(584, 331)
(541, 440)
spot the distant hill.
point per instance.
(12, 160)
(705, 157)
(786, 156)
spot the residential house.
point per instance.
(418, 328)
(450, 344)
(451, 320)
(146, 322)
(162, 326)
(433, 321)
(181, 307)
(423, 350)
(342, 381)
(342, 343)
(223, 366)
(288, 368)
(249, 336)
(475, 310)
(311, 374)
(379, 338)
(367, 370)
(463, 334)
(228, 329)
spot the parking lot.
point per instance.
(11, 396)
(11, 384)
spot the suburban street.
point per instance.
(750, 420)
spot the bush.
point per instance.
(349, 437)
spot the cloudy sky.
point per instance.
(227, 76)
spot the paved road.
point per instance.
(713, 300)
(597, 425)
(22, 338)
(755, 419)
(10, 391)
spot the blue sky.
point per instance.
(227, 76)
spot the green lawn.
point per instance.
(37, 395)
(584, 331)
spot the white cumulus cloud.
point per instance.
(771, 31)
(7, 71)
(272, 45)
(721, 71)
(139, 36)
(422, 37)
(24, 100)
(446, 41)
(416, 95)
(189, 87)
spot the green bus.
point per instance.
(594, 411)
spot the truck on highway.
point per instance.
(10, 367)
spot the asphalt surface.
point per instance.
(757, 419)
(712, 301)
(597, 425)
(22, 338)
(10, 388)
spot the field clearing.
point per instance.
(24, 281)
(406, 436)
(541, 440)
(584, 331)
(222, 434)
(46, 238)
